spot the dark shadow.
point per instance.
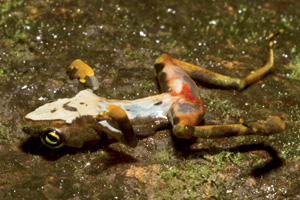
(274, 163)
(183, 147)
(212, 86)
(34, 146)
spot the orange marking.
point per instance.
(116, 112)
(187, 95)
(110, 107)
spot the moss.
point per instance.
(2, 73)
(4, 133)
(190, 180)
(294, 67)
(113, 73)
(163, 156)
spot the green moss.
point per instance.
(225, 109)
(113, 73)
(5, 131)
(148, 84)
(2, 73)
(191, 179)
(295, 67)
(162, 156)
(15, 74)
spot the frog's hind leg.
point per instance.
(271, 125)
(210, 77)
(84, 73)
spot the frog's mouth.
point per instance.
(28, 130)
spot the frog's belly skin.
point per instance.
(149, 108)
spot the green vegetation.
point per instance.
(2, 73)
(163, 156)
(16, 40)
(7, 129)
(190, 180)
(295, 67)
(4, 132)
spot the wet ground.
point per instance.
(121, 40)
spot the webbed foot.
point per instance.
(273, 124)
(84, 73)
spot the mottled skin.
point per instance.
(88, 117)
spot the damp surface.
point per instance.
(121, 40)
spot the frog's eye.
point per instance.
(52, 138)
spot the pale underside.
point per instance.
(154, 109)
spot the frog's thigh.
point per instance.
(184, 116)
(175, 79)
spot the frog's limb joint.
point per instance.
(118, 118)
(84, 73)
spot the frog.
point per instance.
(87, 117)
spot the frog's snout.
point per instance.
(28, 130)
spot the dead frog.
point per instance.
(87, 117)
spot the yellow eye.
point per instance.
(52, 138)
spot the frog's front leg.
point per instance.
(117, 124)
(84, 73)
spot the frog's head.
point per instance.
(66, 121)
(55, 134)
